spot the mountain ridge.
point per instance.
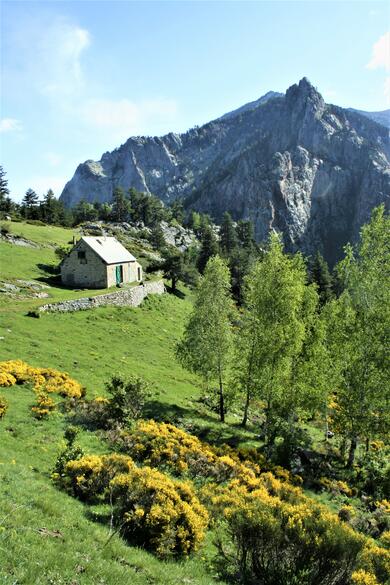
(289, 162)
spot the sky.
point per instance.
(78, 78)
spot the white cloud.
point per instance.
(124, 117)
(52, 158)
(381, 53)
(10, 125)
(387, 90)
(61, 48)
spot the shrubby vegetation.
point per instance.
(268, 530)
(3, 406)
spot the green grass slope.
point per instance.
(48, 537)
(45, 535)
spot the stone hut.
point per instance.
(99, 262)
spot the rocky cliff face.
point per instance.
(289, 162)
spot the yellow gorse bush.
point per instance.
(164, 445)
(45, 405)
(3, 406)
(88, 478)
(361, 577)
(7, 379)
(44, 379)
(170, 517)
(161, 513)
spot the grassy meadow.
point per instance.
(45, 535)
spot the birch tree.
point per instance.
(206, 346)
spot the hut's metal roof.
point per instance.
(109, 249)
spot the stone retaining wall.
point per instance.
(131, 297)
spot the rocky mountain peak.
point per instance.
(304, 94)
(310, 170)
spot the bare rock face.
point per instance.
(288, 162)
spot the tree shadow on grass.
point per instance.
(205, 426)
(175, 292)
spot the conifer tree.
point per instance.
(30, 204)
(208, 248)
(120, 205)
(50, 208)
(245, 233)
(320, 274)
(227, 235)
(207, 342)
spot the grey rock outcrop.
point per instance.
(289, 162)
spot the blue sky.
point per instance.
(79, 78)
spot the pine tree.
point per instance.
(246, 234)
(30, 204)
(227, 235)
(120, 205)
(320, 274)
(207, 342)
(208, 248)
(157, 238)
(50, 208)
(4, 191)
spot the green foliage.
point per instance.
(30, 205)
(320, 275)
(84, 211)
(246, 234)
(208, 248)
(70, 452)
(207, 342)
(177, 211)
(120, 205)
(128, 398)
(279, 310)
(358, 332)
(228, 237)
(62, 251)
(268, 544)
(156, 237)
(146, 208)
(373, 474)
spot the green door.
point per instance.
(119, 274)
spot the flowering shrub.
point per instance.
(45, 405)
(3, 406)
(161, 514)
(270, 540)
(361, 577)
(336, 486)
(375, 560)
(164, 445)
(44, 379)
(88, 478)
(7, 379)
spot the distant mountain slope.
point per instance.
(288, 162)
(379, 117)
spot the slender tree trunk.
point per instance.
(326, 423)
(352, 450)
(221, 400)
(248, 389)
(246, 408)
